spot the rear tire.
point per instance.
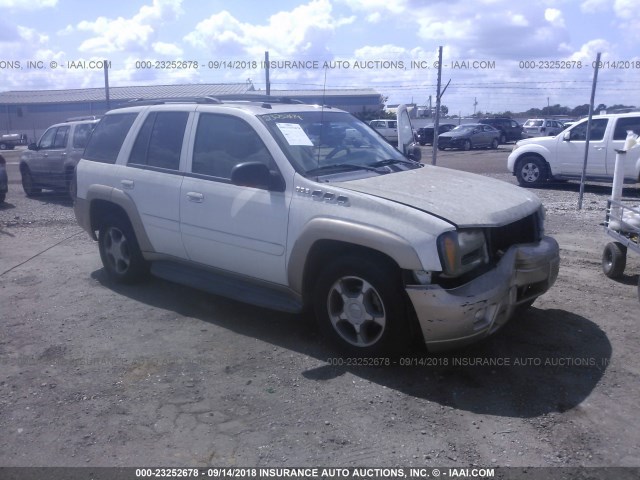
(120, 252)
(503, 138)
(494, 144)
(614, 259)
(360, 306)
(467, 145)
(27, 183)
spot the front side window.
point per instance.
(159, 141)
(108, 137)
(598, 127)
(62, 134)
(224, 141)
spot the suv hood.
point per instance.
(463, 199)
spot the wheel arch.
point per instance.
(105, 201)
(323, 238)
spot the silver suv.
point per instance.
(541, 127)
(273, 203)
(51, 162)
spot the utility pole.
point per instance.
(436, 121)
(475, 103)
(586, 143)
(266, 65)
(106, 84)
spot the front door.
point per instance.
(570, 152)
(230, 227)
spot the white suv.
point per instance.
(273, 203)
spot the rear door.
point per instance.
(231, 227)
(153, 177)
(56, 156)
(621, 127)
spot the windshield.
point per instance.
(463, 128)
(325, 141)
(533, 123)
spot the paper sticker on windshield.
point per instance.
(294, 134)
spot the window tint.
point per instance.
(46, 141)
(393, 124)
(624, 124)
(107, 138)
(598, 126)
(81, 134)
(222, 142)
(159, 141)
(61, 137)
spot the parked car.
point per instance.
(387, 128)
(424, 135)
(541, 127)
(262, 202)
(537, 160)
(51, 162)
(468, 136)
(4, 180)
(509, 129)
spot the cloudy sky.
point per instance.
(499, 54)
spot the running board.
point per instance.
(228, 286)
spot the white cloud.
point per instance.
(129, 34)
(595, 6)
(167, 49)
(303, 31)
(27, 4)
(554, 17)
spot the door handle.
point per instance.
(599, 148)
(128, 184)
(195, 197)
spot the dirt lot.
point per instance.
(104, 375)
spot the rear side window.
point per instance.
(81, 134)
(624, 124)
(107, 138)
(159, 141)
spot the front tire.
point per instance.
(120, 252)
(531, 172)
(503, 138)
(467, 145)
(360, 306)
(614, 259)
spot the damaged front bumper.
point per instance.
(451, 318)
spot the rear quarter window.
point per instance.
(108, 137)
(625, 124)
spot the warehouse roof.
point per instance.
(24, 97)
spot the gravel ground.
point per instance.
(107, 375)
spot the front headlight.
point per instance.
(461, 251)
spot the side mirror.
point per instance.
(32, 146)
(566, 136)
(414, 153)
(256, 175)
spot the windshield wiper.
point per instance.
(391, 161)
(339, 166)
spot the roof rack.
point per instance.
(162, 100)
(85, 117)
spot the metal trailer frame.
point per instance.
(626, 236)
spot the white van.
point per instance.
(387, 128)
(534, 161)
